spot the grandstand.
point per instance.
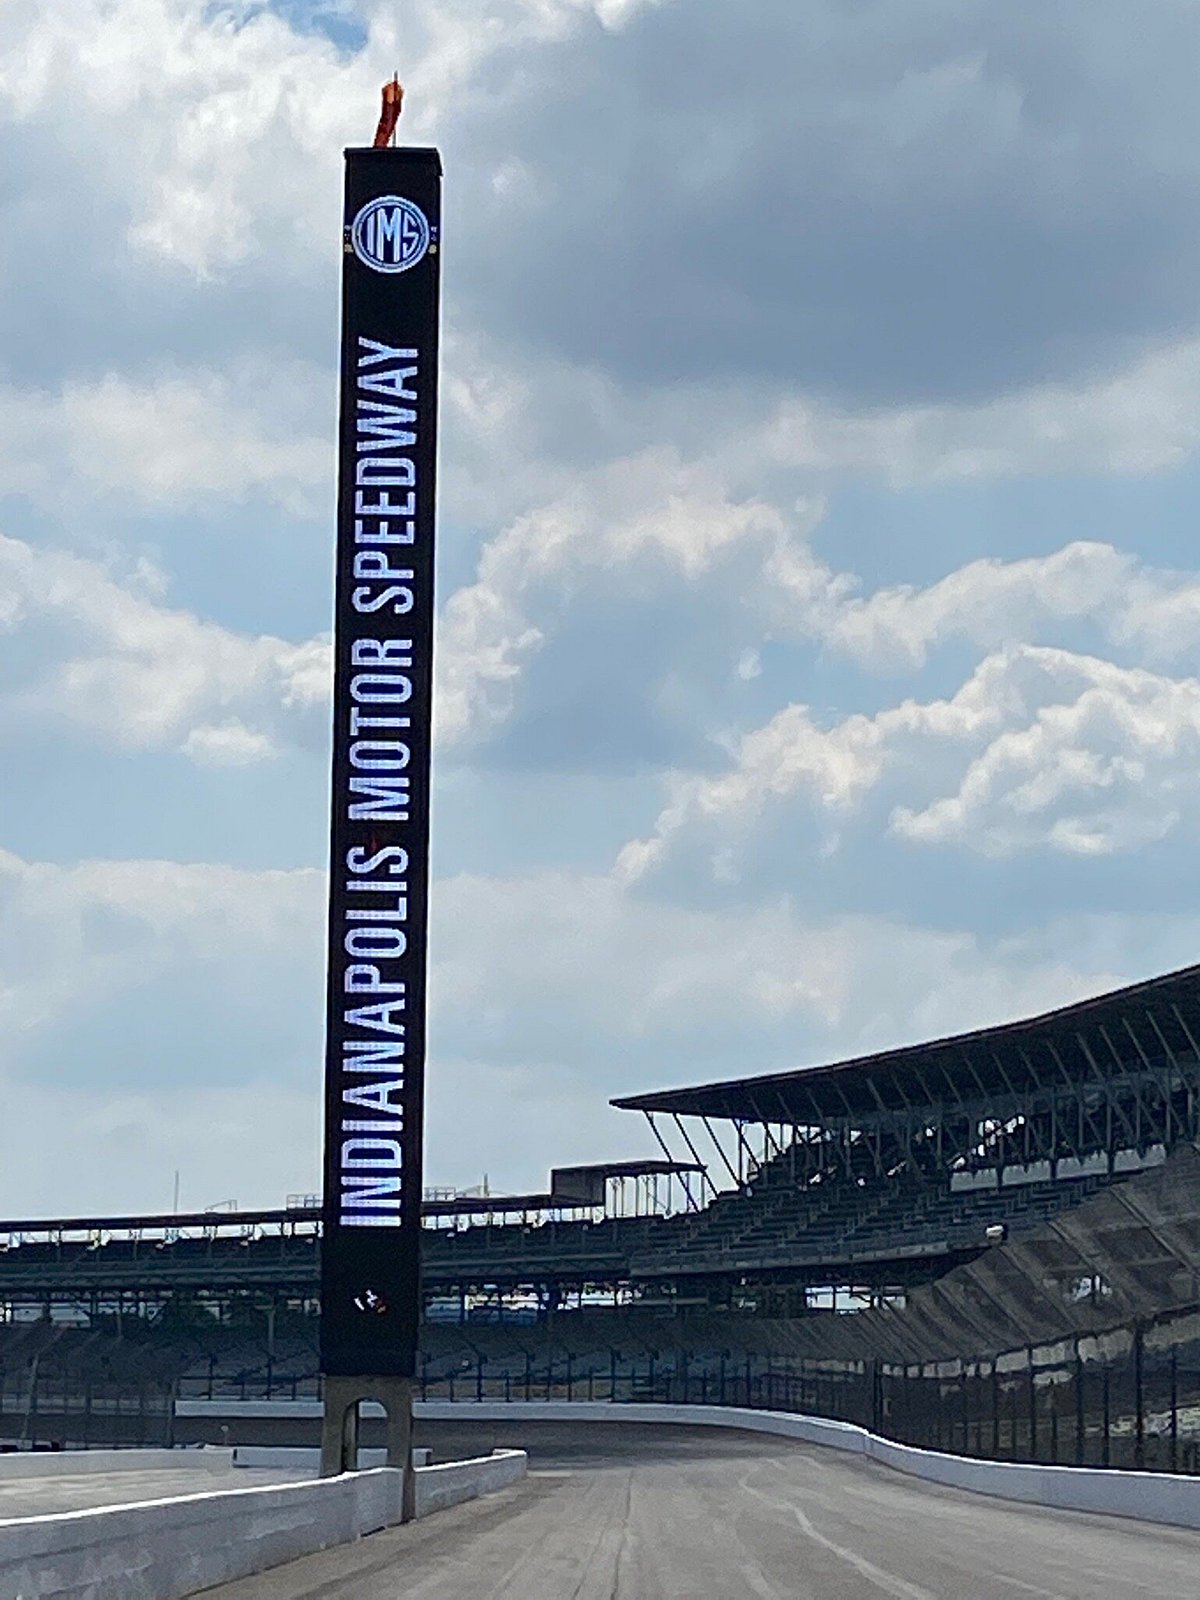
(891, 1168)
(970, 1195)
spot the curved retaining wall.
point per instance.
(168, 1549)
(1148, 1496)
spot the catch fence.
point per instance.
(1126, 1397)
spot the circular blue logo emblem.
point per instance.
(390, 234)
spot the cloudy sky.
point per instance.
(820, 596)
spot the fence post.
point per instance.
(479, 1378)
(1080, 1409)
(1105, 1459)
(1033, 1416)
(1052, 1397)
(1174, 1408)
(1139, 1396)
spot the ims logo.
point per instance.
(389, 234)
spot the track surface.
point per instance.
(43, 1497)
(626, 1512)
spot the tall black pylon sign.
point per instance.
(382, 702)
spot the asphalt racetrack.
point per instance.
(629, 1512)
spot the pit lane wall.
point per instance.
(168, 1549)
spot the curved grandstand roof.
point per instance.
(1143, 1022)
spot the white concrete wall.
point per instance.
(297, 1410)
(167, 1549)
(455, 1481)
(1147, 1496)
(163, 1550)
(304, 1458)
(72, 1463)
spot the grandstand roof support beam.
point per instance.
(1082, 1114)
(933, 1112)
(1114, 1105)
(953, 1092)
(663, 1146)
(855, 1123)
(1019, 1099)
(1196, 1052)
(1163, 1078)
(717, 1146)
(1187, 1031)
(818, 1113)
(785, 1112)
(1135, 1080)
(746, 1156)
(885, 1115)
(984, 1096)
(704, 1174)
(1177, 1065)
(765, 1125)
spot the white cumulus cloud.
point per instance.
(97, 654)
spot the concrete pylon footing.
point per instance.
(339, 1427)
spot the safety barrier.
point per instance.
(299, 1458)
(85, 1463)
(168, 1549)
(1146, 1496)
